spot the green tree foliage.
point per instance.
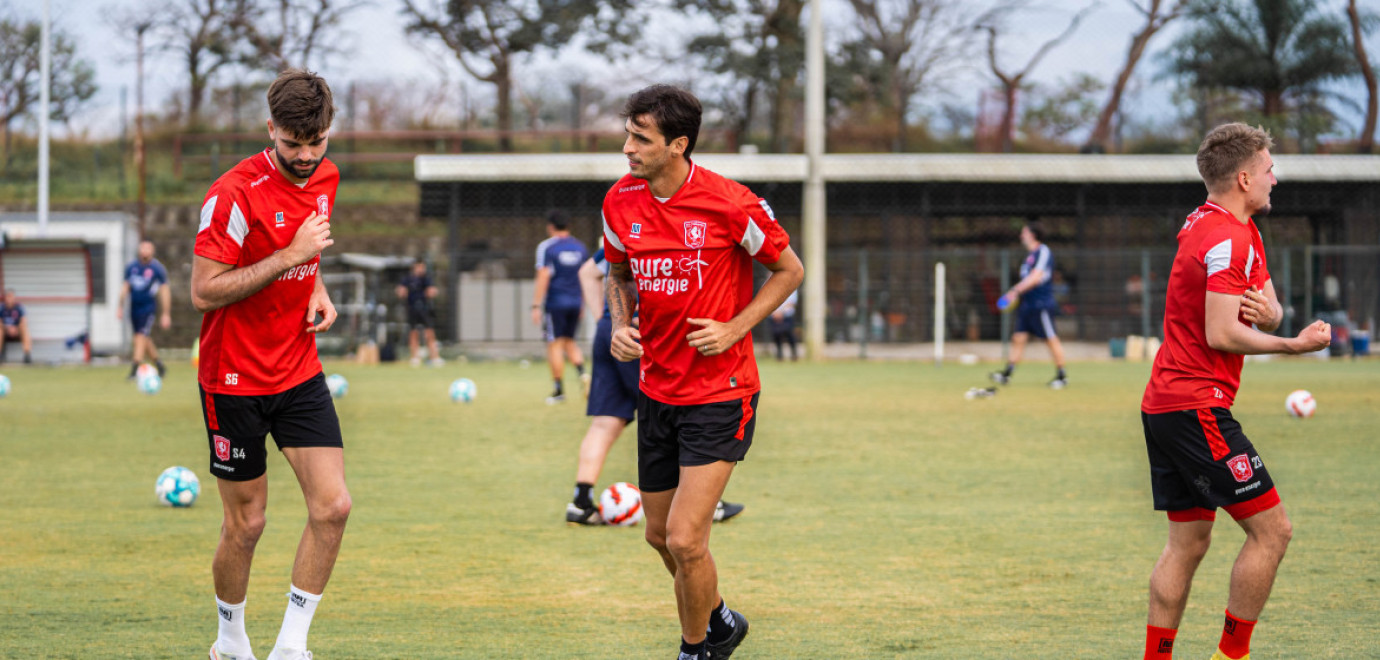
(760, 47)
(1279, 52)
(488, 37)
(72, 82)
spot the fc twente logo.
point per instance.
(323, 205)
(694, 234)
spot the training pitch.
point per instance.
(887, 517)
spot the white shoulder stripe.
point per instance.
(610, 236)
(1218, 258)
(207, 210)
(238, 227)
(753, 237)
(1250, 259)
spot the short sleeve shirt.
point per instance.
(1042, 294)
(1216, 253)
(11, 316)
(144, 280)
(416, 290)
(691, 257)
(260, 345)
(563, 256)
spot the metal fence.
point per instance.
(887, 296)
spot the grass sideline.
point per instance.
(887, 518)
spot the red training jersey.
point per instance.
(1217, 253)
(691, 256)
(260, 345)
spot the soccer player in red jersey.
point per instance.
(680, 241)
(263, 227)
(1200, 459)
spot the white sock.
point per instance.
(297, 619)
(231, 638)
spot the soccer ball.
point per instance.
(338, 386)
(4, 385)
(150, 384)
(621, 504)
(1300, 403)
(144, 371)
(462, 390)
(177, 486)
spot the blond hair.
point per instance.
(1226, 150)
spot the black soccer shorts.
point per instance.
(671, 436)
(303, 416)
(1199, 461)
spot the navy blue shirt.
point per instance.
(144, 281)
(563, 255)
(11, 316)
(416, 290)
(1041, 294)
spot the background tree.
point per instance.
(1157, 13)
(489, 36)
(759, 45)
(993, 23)
(1360, 26)
(299, 31)
(905, 48)
(201, 32)
(1279, 52)
(1056, 112)
(72, 78)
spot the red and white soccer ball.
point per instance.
(621, 504)
(1300, 403)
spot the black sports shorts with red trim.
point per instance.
(670, 436)
(1199, 461)
(303, 416)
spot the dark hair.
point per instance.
(300, 103)
(1037, 229)
(558, 219)
(675, 111)
(1226, 150)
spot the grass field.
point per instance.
(887, 518)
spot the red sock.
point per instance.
(1159, 643)
(1236, 637)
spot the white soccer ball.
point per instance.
(144, 371)
(1300, 403)
(177, 486)
(151, 384)
(462, 390)
(4, 385)
(338, 386)
(621, 504)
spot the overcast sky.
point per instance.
(380, 50)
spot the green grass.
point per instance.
(887, 518)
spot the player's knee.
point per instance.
(332, 511)
(245, 528)
(656, 538)
(686, 547)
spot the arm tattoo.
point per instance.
(621, 290)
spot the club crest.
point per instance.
(1240, 467)
(323, 205)
(694, 233)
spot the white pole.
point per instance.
(813, 215)
(939, 308)
(45, 66)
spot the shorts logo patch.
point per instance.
(222, 447)
(1240, 466)
(694, 233)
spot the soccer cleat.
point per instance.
(584, 384)
(980, 393)
(555, 399)
(1058, 383)
(217, 655)
(1000, 378)
(726, 510)
(1219, 655)
(437, 362)
(725, 648)
(289, 654)
(416, 362)
(579, 516)
(162, 370)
